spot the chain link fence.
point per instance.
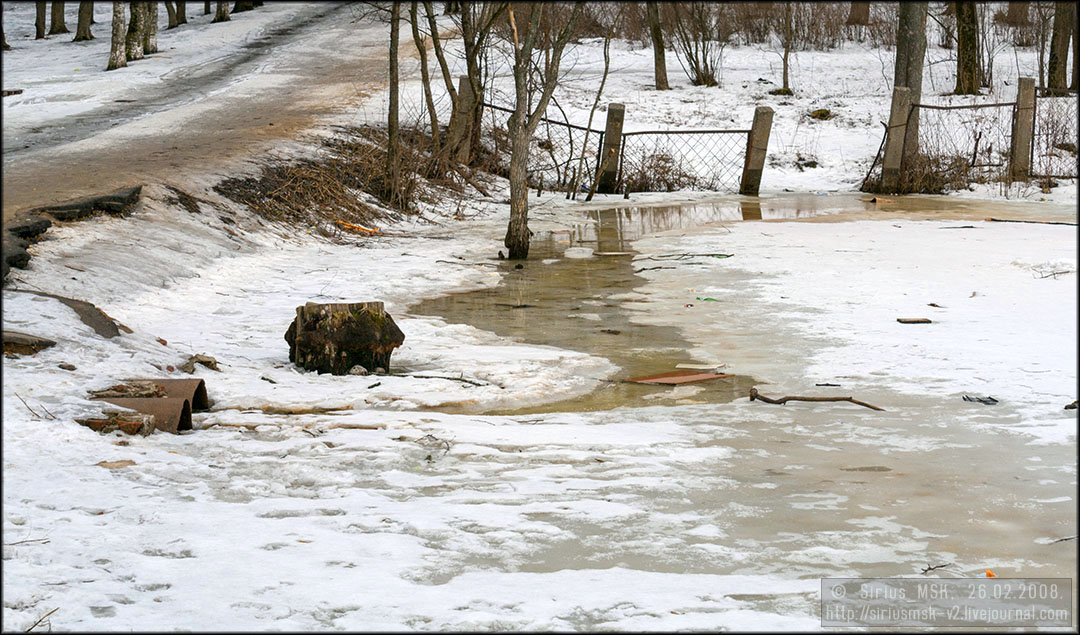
(1054, 145)
(555, 152)
(965, 144)
(669, 160)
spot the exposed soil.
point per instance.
(180, 132)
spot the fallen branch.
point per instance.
(36, 415)
(471, 181)
(42, 619)
(461, 379)
(1063, 539)
(755, 395)
(43, 541)
(1036, 222)
(929, 568)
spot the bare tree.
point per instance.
(534, 71)
(859, 15)
(910, 51)
(117, 53)
(477, 21)
(393, 148)
(172, 15)
(657, 36)
(967, 49)
(242, 5)
(150, 28)
(39, 20)
(222, 14)
(56, 19)
(1017, 14)
(206, 8)
(701, 31)
(133, 41)
(786, 42)
(1076, 52)
(181, 12)
(82, 31)
(1059, 46)
(425, 77)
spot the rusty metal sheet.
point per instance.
(194, 390)
(679, 377)
(171, 414)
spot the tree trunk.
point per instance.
(39, 21)
(1017, 14)
(117, 55)
(530, 76)
(517, 232)
(150, 10)
(222, 14)
(657, 35)
(3, 37)
(859, 14)
(910, 50)
(787, 44)
(82, 30)
(393, 147)
(56, 22)
(1076, 51)
(1059, 47)
(181, 12)
(425, 77)
(133, 44)
(967, 44)
(206, 8)
(172, 15)
(242, 6)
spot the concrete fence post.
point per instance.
(609, 159)
(894, 141)
(1022, 131)
(756, 145)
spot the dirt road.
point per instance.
(204, 118)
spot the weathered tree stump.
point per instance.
(333, 338)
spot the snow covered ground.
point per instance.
(411, 509)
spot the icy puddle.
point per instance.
(580, 303)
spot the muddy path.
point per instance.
(204, 118)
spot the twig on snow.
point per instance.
(755, 395)
(35, 625)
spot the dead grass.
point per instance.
(336, 185)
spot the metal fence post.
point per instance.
(609, 158)
(894, 141)
(1023, 127)
(756, 145)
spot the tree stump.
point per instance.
(333, 338)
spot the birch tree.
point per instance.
(535, 75)
(133, 41)
(222, 14)
(117, 51)
(150, 14)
